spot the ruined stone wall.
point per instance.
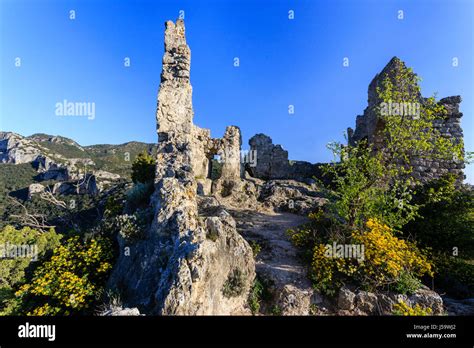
(369, 125)
(272, 162)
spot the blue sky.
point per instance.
(282, 62)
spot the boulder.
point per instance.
(35, 189)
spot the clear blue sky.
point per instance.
(282, 62)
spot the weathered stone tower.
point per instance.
(185, 259)
(368, 126)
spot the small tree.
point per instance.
(143, 169)
(375, 180)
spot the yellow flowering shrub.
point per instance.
(387, 257)
(385, 260)
(69, 281)
(403, 308)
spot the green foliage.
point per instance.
(70, 281)
(373, 180)
(255, 296)
(406, 137)
(139, 196)
(446, 225)
(259, 294)
(143, 169)
(277, 311)
(385, 262)
(234, 285)
(446, 218)
(132, 227)
(216, 169)
(113, 207)
(13, 270)
(455, 275)
(404, 309)
(256, 248)
(406, 284)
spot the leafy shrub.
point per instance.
(139, 196)
(446, 217)
(259, 293)
(216, 169)
(407, 284)
(234, 285)
(255, 296)
(446, 225)
(129, 227)
(14, 270)
(454, 275)
(277, 311)
(256, 248)
(386, 259)
(143, 169)
(113, 207)
(69, 282)
(402, 308)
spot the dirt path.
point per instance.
(278, 260)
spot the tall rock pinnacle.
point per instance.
(184, 260)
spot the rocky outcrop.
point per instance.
(16, 149)
(358, 302)
(369, 125)
(117, 311)
(35, 189)
(459, 307)
(291, 196)
(85, 185)
(189, 262)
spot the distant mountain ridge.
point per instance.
(117, 159)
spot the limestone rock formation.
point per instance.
(16, 149)
(35, 189)
(187, 263)
(369, 125)
(368, 303)
(291, 196)
(87, 184)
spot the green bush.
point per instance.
(446, 218)
(406, 284)
(70, 282)
(258, 294)
(13, 270)
(234, 285)
(113, 207)
(404, 309)
(139, 196)
(256, 248)
(143, 169)
(129, 227)
(454, 275)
